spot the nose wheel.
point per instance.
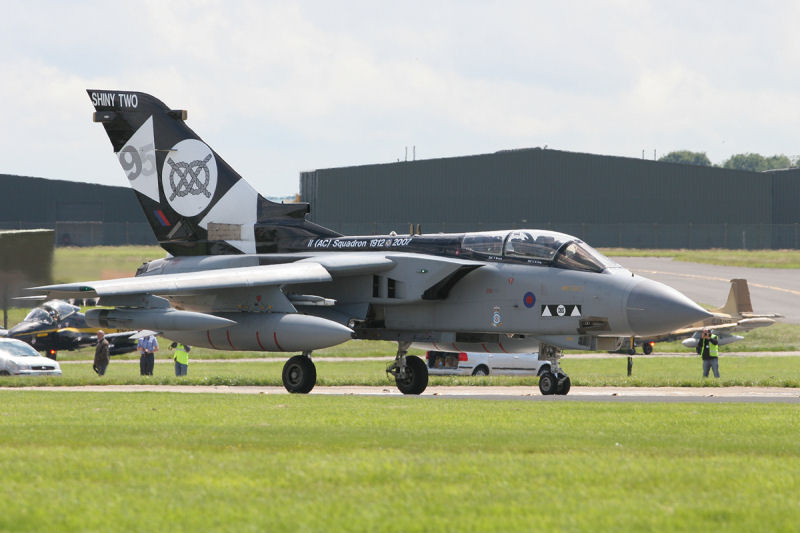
(550, 383)
(553, 381)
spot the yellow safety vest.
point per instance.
(713, 349)
(181, 355)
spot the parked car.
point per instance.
(484, 364)
(19, 358)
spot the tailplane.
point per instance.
(194, 201)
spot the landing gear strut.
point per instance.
(554, 381)
(300, 374)
(409, 371)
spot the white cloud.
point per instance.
(281, 87)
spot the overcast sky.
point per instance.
(280, 87)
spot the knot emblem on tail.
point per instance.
(189, 177)
(188, 174)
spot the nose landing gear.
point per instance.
(553, 381)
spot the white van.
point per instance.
(484, 364)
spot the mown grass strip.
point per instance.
(72, 264)
(647, 372)
(718, 256)
(158, 461)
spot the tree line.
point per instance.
(753, 162)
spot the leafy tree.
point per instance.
(778, 161)
(757, 162)
(687, 158)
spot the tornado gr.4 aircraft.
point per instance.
(245, 273)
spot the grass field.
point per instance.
(738, 258)
(182, 462)
(79, 461)
(648, 371)
(101, 262)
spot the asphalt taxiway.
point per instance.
(577, 394)
(772, 290)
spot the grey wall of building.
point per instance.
(80, 213)
(608, 201)
(786, 207)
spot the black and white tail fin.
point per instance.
(195, 202)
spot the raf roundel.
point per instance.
(189, 177)
(529, 299)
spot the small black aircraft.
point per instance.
(58, 325)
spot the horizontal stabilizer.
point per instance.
(34, 298)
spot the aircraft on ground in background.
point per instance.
(736, 315)
(57, 325)
(245, 273)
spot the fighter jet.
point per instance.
(245, 273)
(57, 325)
(735, 316)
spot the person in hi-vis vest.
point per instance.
(181, 357)
(708, 348)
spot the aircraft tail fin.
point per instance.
(195, 202)
(738, 299)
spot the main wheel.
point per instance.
(481, 371)
(416, 379)
(563, 385)
(299, 374)
(547, 383)
(647, 348)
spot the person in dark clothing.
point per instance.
(101, 354)
(708, 349)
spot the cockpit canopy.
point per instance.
(39, 314)
(51, 311)
(539, 247)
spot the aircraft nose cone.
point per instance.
(23, 328)
(655, 308)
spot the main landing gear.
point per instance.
(300, 374)
(409, 371)
(553, 381)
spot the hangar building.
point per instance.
(605, 200)
(82, 214)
